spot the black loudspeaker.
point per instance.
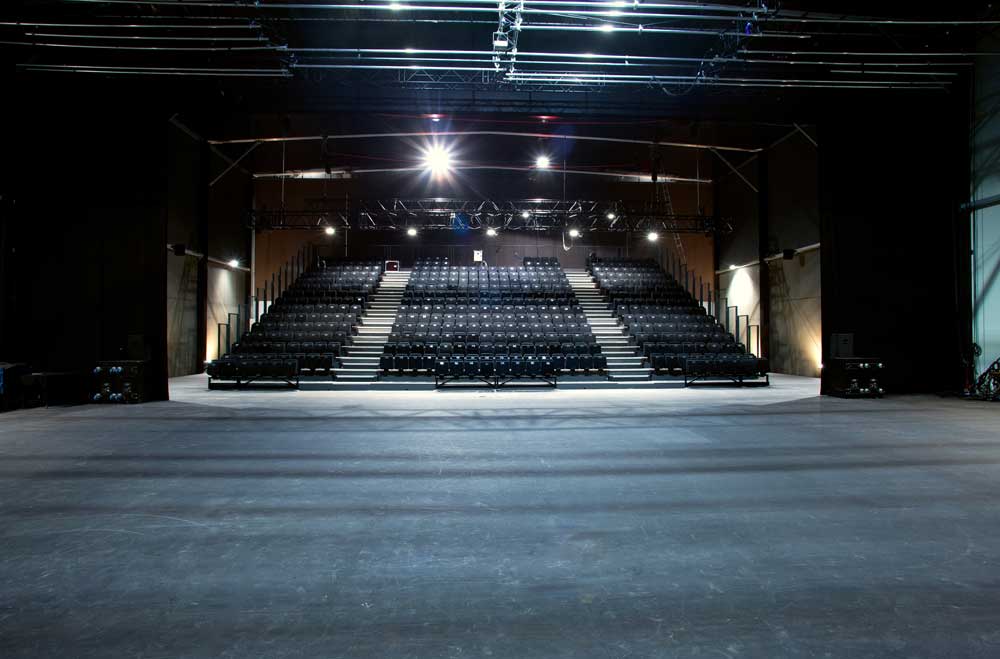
(120, 381)
(179, 249)
(788, 254)
(855, 377)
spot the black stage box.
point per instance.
(855, 377)
(120, 381)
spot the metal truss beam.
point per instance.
(480, 214)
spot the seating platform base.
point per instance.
(739, 380)
(496, 381)
(217, 383)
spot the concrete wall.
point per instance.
(207, 220)
(792, 202)
(182, 315)
(796, 328)
(986, 223)
(226, 294)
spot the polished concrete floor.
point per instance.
(682, 523)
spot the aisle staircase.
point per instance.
(625, 363)
(360, 362)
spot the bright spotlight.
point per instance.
(525, 214)
(329, 231)
(491, 232)
(542, 162)
(395, 6)
(607, 27)
(437, 160)
(732, 267)
(652, 236)
(611, 216)
(411, 232)
(235, 263)
(574, 233)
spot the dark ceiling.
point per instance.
(583, 57)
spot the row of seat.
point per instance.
(265, 334)
(421, 347)
(669, 324)
(516, 365)
(306, 328)
(489, 296)
(491, 309)
(462, 336)
(490, 314)
(524, 316)
(243, 368)
(282, 316)
(254, 344)
(280, 306)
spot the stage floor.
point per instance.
(708, 522)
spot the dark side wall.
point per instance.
(93, 187)
(85, 234)
(894, 264)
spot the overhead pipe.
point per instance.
(345, 173)
(171, 26)
(487, 133)
(597, 56)
(627, 76)
(847, 53)
(611, 4)
(613, 8)
(166, 71)
(171, 49)
(138, 37)
(590, 63)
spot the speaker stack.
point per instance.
(121, 381)
(856, 377)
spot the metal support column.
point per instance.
(763, 239)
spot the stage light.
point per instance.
(574, 233)
(235, 263)
(525, 214)
(395, 6)
(542, 162)
(611, 216)
(652, 236)
(491, 232)
(329, 231)
(732, 267)
(437, 160)
(607, 28)
(434, 117)
(411, 232)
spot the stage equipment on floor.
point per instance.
(121, 381)
(855, 377)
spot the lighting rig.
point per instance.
(440, 213)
